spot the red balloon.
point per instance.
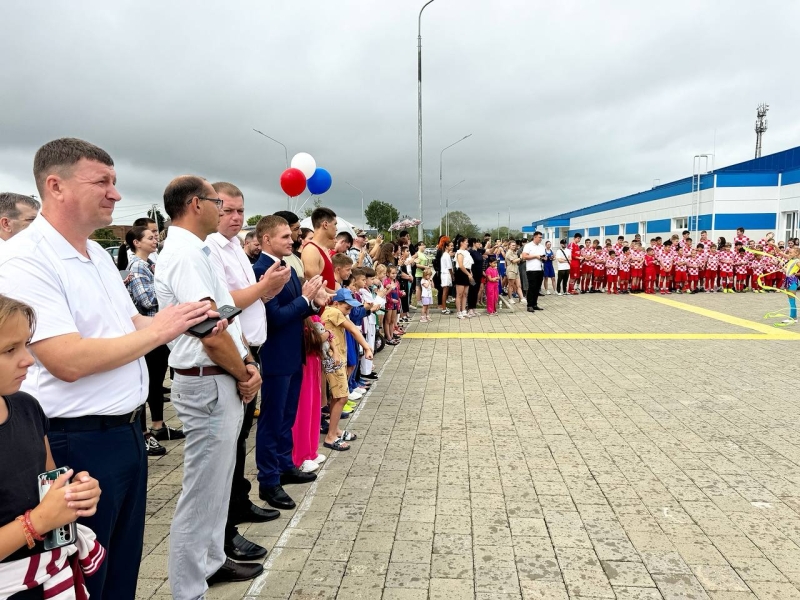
(293, 182)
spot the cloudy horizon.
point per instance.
(568, 105)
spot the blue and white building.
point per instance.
(760, 195)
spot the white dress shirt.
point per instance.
(73, 294)
(534, 264)
(185, 274)
(232, 264)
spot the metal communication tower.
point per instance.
(761, 125)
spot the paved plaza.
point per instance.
(623, 447)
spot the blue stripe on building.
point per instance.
(746, 220)
(659, 226)
(612, 229)
(747, 179)
(631, 228)
(572, 232)
(790, 177)
(703, 222)
(593, 231)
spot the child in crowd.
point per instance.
(637, 266)
(694, 264)
(711, 270)
(650, 271)
(741, 265)
(726, 260)
(335, 320)
(625, 270)
(612, 268)
(305, 431)
(426, 286)
(563, 269)
(757, 269)
(549, 282)
(342, 267)
(666, 261)
(587, 266)
(599, 273)
(374, 301)
(26, 567)
(681, 276)
(492, 277)
(390, 328)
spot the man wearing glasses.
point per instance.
(16, 213)
(215, 377)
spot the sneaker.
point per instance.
(152, 446)
(350, 406)
(321, 458)
(547, 293)
(789, 321)
(309, 466)
(460, 315)
(354, 395)
(446, 311)
(167, 433)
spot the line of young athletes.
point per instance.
(677, 264)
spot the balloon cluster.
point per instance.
(305, 173)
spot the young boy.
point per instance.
(342, 267)
(587, 266)
(575, 264)
(612, 267)
(335, 320)
(693, 265)
(625, 270)
(741, 264)
(666, 260)
(599, 274)
(681, 269)
(637, 266)
(726, 260)
(650, 271)
(712, 269)
(373, 302)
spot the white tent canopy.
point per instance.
(341, 226)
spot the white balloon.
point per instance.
(305, 162)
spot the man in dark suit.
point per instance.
(282, 359)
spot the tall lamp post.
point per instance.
(363, 216)
(286, 153)
(420, 230)
(440, 174)
(447, 207)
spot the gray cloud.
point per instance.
(569, 103)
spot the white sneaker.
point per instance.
(354, 395)
(309, 466)
(547, 293)
(321, 458)
(789, 321)
(512, 301)
(559, 294)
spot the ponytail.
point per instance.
(122, 257)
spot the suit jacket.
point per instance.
(284, 351)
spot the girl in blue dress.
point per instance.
(549, 270)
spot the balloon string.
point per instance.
(304, 203)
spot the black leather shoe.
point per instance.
(297, 476)
(276, 497)
(254, 514)
(233, 571)
(531, 309)
(537, 308)
(240, 548)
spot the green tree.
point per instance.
(254, 219)
(380, 215)
(317, 203)
(459, 222)
(157, 216)
(105, 237)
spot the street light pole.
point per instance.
(440, 175)
(420, 230)
(363, 216)
(447, 209)
(286, 153)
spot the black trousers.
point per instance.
(472, 295)
(563, 279)
(534, 284)
(117, 459)
(240, 485)
(156, 361)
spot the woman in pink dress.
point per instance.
(305, 431)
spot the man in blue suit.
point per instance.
(282, 359)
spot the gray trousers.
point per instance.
(211, 412)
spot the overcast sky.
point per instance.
(569, 103)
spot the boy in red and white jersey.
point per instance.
(625, 270)
(612, 267)
(726, 260)
(650, 271)
(707, 243)
(681, 271)
(757, 268)
(619, 246)
(694, 264)
(712, 270)
(741, 237)
(599, 274)
(587, 266)
(637, 266)
(666, 261)
(740, 264)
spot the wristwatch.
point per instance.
(254, 363)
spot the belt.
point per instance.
(202, 371)
(95, 422)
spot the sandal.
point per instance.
(349, 436)
(338, 444)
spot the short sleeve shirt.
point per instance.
(73, 294)
(185, 274)
(334, 319)
(534, 264)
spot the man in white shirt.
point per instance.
(232, 265)
(90, 375)
(214, 375)
(16, 213)
(532, 254)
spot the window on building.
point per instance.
(680, 223)
(790, 220)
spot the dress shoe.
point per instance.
(531, 309)
(276, 497)
(537, 308)
(233, 571)
(240, 548)
(297, 476)
(254, 514)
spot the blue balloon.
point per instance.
(319, 182)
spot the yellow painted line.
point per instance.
(455, 335)
(725, 318)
